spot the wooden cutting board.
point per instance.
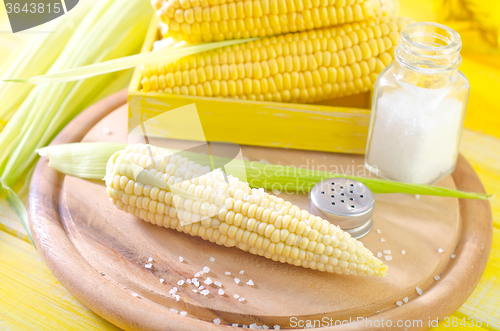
(99, 253)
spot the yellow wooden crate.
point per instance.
(338, 125)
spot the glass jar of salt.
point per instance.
(419, 107)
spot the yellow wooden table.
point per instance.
(32, 299)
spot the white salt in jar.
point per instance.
(419, 107)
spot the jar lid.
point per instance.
(344, 202)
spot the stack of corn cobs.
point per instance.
(308, 51)
(168, 190)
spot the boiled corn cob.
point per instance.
(215, 20)
(302, 67)
(230, 213)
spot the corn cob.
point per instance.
(215, 20)
(234, 215)
(302, 67)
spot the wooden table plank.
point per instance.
(32, 299)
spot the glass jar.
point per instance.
(419, 107)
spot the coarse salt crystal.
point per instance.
(241, 299)
(382, 239)
(253, 326)
(250, 282)
(379, 254)
(387, 251)
(183, 313)
(205, 292)
(236, 296)
(195, 290)
(219, 284)
(277, 327)
(452, 256)
(388, 257)
(399, 303)
(196, 283)
(244, 326)
(148, 266)
(265, 327)
(227, 273)
(212, 259)
(234, 325)
(208, 281)
(217, 321)
(198, 274)
(419, 290)
(221, 291)
(405, 300)
(206, 270)
(436, 277)
(180, 282)
(162, 280)
(403, 252)
(237, 280)
(106, 130)
(188, 281)
(440, 250)
(150, 259)
(134, 294)
(181, 258)
(378, 231)
(173, 310)
(201, 287)
(242, 272)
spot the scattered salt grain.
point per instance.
(206, 270)
(265, 327)
(148, 266)
(387, 251)
(195, 290)
(219, 284)
(388, 257)
(382, 239)
(198, 274)
(378, 231)
(436, 277)
(188, 281)
(150, 259)
(221, 291)
(399, 303)
(250, 283)
(403, 252)
(241, 299)
(245, 326)
(379, 254)
(106, 130)
(201, 287)
(180, 282)
(236, 296)
(181, 258)
(217, 321)
(196, 283)
(440, 250)
(405, 300)
(208, 281)
(212, 259)
(242, 272)
(134, 294)
(162, 280)
(419, 291)
(183, 313)
(205, 292)
(173, 310)
(277, 327)
(254, 326)
(227, 273)
(237, 280)
(234, 325)
(452, 256)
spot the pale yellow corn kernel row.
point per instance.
(315, 242)
(338, 259)
(193, 22)
(310, 67)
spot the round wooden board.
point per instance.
(99, 253)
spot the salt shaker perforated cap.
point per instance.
(344, 202)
